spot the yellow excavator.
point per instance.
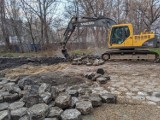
(122, 42)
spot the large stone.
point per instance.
(100, 71)
(73, 91)
(46, 97)
(15, 89)
(102, 80)
(96, 62)
(4, 115)
(60, 89)
(84, 91)
(74, 101)
(84, 97)
(9, 86)
(63, 101)
(54, 93)
(3, 82)
(51, 104)
(153, 98)
(71, 114)
(31, 96)
(108, 98)
(32, 100)
(25, 117)
(25, 81)
(55, 112)
(44, 88)
(4, 93)
(107, 77)
(99, 90)
(38, 111)
(3, 106)
(89, 64)
(11, 97)
(16, 105)
(96, 100)
(85, 107)
(89, 75)
(18, 113)
(96, 76)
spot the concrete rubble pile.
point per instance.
(88, 61)
(98, 76)
(22, 99)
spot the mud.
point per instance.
(14, 62)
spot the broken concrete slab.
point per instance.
(74, 101)
(71, 114)
(4, 115)
(16, 105)
(85, 107)
(11, 97)
(55, 112)
(73, 93)
(46, 97)
(96, 76)
(102, 80)
(108, 98)
(44, 88)
(96, 100)
(38, 111)
(16, 114)
(31, 96)
(4, 106)
(100, 71)
(63, 101)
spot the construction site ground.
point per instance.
(136, 84)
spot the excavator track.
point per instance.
(130, 55)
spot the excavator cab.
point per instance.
(120, 35)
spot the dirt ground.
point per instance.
(124, 112)
(131, 80)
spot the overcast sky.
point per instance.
(61, 8)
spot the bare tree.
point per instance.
(3, 24)
(146, 13)
(43, 9)
(14, 18)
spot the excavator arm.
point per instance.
(84, 22)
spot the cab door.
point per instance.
(120, 36)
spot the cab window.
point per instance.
(119, 34)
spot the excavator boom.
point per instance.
(84, 22)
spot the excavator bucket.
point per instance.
(65, 53)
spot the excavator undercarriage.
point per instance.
(130, 55)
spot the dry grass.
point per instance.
(51, 52)
(45, 53)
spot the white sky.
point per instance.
(61, 8)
